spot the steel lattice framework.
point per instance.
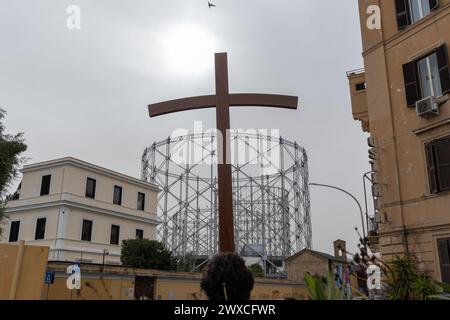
(270, 194)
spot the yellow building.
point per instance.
(402, 99)
(80, 210)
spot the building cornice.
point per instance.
(432, 126)
(70, 161)
(77, 205)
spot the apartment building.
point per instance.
(402, 100)
(80, 210)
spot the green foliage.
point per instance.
(146, 254)
(405, 283)
(315, 287)
(321, 288)
(256, 270)
(11, 147)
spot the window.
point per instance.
(360, 86)
(139, 234)
(14, 231)
(141, 201)
(419, 9)
(45, 185)
(444, 259)
(411, 11)
(117, 199)
(90, 188)
(438, 163)
(86, 232)
(40, 229)
(430, 83)
(428, 76)
(115, 231)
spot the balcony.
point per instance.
(358, 87)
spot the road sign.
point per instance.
(49, 277)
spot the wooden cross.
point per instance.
(222, 101)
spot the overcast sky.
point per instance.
(84, 93)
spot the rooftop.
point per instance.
(317, 253)
(86, 165)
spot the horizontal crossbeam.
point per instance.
(235, 100)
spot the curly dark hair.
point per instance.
(227, 274)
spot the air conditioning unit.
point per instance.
(427, 107)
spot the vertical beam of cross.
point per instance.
(222, 101)
(225, 191)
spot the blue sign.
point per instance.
(49, 277)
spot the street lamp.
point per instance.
(349, 194)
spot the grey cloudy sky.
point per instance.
(84, 93)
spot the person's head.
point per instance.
(227, 278)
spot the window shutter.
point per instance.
(443, 163)
(444, 259)
(434, 4)
(431, 167)
(403, 13)
(411, 85)
(444, 72)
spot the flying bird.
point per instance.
(211, 5)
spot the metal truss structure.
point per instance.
(270, 195)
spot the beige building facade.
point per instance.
(402, 100)
(81, 211)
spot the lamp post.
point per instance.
(349, 194)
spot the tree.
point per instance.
(11, 147)
(146, 254)
(256, 270)
(406, 283)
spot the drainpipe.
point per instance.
(17, 269)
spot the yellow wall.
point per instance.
(180, 289)
(91, 289)
(30, 271)
(115, 282)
